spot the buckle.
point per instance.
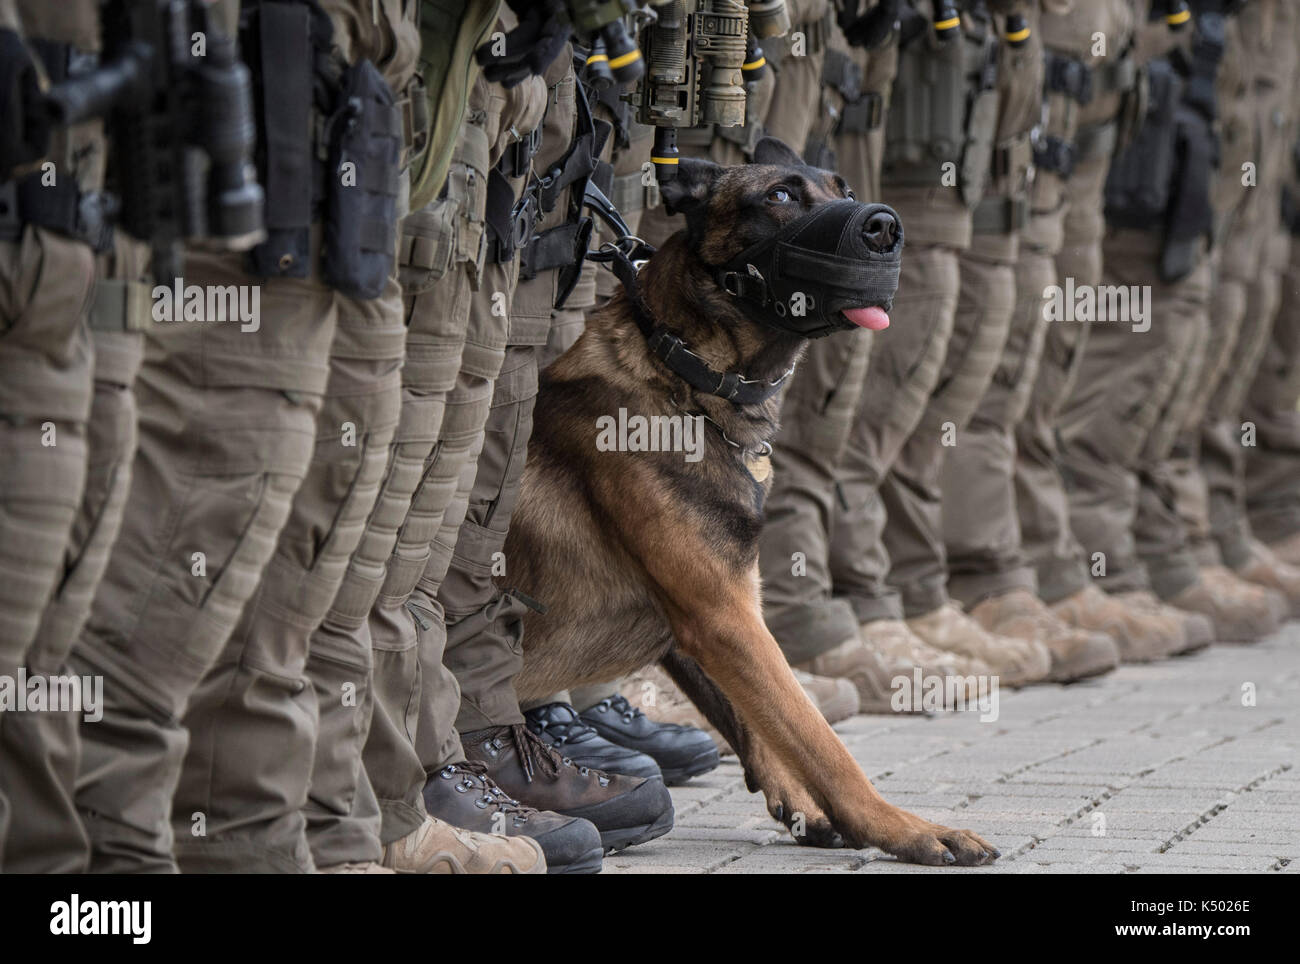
(1052, 153)
(523, 220)
(1071, 77)
(517, 158)
(864, 114)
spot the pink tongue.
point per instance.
(873, 318)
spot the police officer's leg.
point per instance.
(1041, 502)
(981, 524)
(1223, 449)
(1227, 310)
(911, 492)
(38, 761)
(903, 370)
(416, 697)
(227, 420)
(342, 813)
(45, 398)
(816, 417)
(1162, 539)
(1273, 465)
(1126, 379)
(253, 718)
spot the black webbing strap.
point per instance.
(1067, 75)
(284, 33)
(60, 207)
(578, 161)
(669, 348)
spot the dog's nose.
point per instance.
(881, 231)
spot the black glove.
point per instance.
(871, 29)
(531, 47)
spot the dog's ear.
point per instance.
(773, 150)
(690, 190)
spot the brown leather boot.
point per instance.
(1242, 612)
(1267, 570)
(1141, 632)
(1016, 662)
(436, 847)
(1076, 653)
(626, 810)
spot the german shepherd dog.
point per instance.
(645, 556)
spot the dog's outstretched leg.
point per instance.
(726, 636)
(788, 797)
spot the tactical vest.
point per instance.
(943, 110)
(450, 31)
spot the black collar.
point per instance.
(669, 348)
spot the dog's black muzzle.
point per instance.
(839, 256)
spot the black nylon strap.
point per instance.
(1067, 75)
(550, 249)
(284, 32)
(669, 348)
(60, 207)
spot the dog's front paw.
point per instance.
(806, 821)
(936, 845)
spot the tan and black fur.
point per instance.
(644, 556)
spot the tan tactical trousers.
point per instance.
(1229, 433)
(912, 492)
(38, 758)
(981, 521)
(1273, 404)
(227, 422)
(1041, 502)
(253, 719)
(46, 359)
(904, 370)
(1128, 401)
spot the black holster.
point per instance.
(1141, 176)
(365, 154)
(286, 44)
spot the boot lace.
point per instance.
(619, 704)
(473, 778)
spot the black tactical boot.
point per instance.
(463, 795)
(559, 725)
(682, 752)
(626, 810)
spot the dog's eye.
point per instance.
(848, 193)
(778, 195)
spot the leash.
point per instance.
(621, 256)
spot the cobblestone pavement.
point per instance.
(1151, 769)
